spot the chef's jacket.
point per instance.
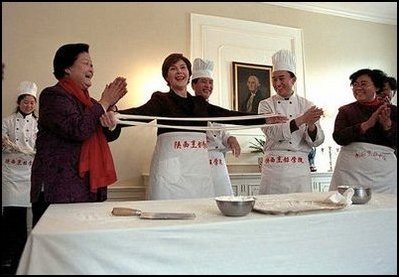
(17, 160)
(285, 167)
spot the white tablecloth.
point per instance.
(87, 239)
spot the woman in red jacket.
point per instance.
(73, 162)
(367, 131)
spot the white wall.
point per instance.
(132, 40)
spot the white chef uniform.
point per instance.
(366, 164)
(216, 139)
(217, 147)
(180, 168)
(16, 164)
(285, 166)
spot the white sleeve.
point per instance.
(275, 131)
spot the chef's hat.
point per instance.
(27, 87)
(202, 69)
(284, 60)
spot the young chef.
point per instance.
(285, 166)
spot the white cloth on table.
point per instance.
(84, 238)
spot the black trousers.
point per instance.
(38, 209)
(14, 234)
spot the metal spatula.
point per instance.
(120, 211)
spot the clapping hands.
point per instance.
(381, 115)
(113, 92)
(312, 115)
(384, 116)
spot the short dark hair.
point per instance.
(392, 83)
(65, 56)
(377, 76)
(172, 59)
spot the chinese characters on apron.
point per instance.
(219, 173)
(366, 164)
(16, 179)
(285, 172)
(180, 168)
(217, 139)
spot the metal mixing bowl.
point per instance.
(235, 205)
(361, 195)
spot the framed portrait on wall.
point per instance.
(251, 84)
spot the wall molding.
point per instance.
(349, 10)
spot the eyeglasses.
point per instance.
(361, 85)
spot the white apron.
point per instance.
(16, 179)
(285, 172)
(366, 164)
(217, 146)
(180, 167)
(16, 164)
(219, 173)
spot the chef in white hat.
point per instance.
(285, 166)
(219, 141)
(27, 88)
(18, 149)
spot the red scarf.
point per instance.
(95, 155)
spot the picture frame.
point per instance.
(244, 78)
